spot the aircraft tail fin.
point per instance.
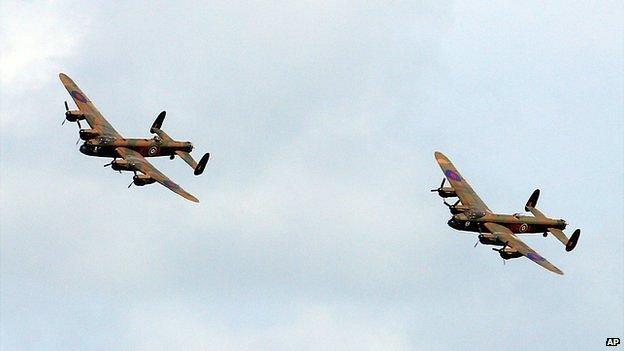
(198, 168)
(573, 240)
(158, 122)
(532, 202)
(570, 243)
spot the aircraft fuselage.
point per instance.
(105, 146)
(517, 224)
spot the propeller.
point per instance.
(449, 205)
(499, 250)
(111, 162)
(132, 180)
(66, 110)
(65, 119)
(441, 186)
(478, 227)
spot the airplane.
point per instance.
(472, 215)
(102, 140)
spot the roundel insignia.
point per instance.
(152, 150)
(534, 256)
(171, 184)
(78, 96)
(452, 175)
(524, 227)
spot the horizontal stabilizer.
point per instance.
(537, 213)
(187, 158)
(532, 201)
(559, 234)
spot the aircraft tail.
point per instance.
(570, 243)
(198, 168)
(532, 202)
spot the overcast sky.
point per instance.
(316, 228)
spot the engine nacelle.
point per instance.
(140, 180)
(122, 165)
(74, 115)
(88, 134)
(446, 192)
(457, 209)
(489, 239)
(509, 253)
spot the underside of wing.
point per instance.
(466, 195)
(505, 235)
(91, 113)
(139, 163)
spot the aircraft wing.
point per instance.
(140, 164)
(512, 241)
(466, 195)
(92, 115)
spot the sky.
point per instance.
(316, 229)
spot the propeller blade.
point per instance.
(477, 243)
(79, 126)
(130, 184)
(64, 119)
(441, 186)
(66, 106)
(77, 141)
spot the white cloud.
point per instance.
(35, 38)
(164, 325)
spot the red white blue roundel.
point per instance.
(534, 256)
(452, 175)
(78, 96)
(152, 150)
(524, 227)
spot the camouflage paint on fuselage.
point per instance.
(104, 146)
(472, 222)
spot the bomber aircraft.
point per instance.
(471, 214)
(102, 140)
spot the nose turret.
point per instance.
(84, 149)
(453, 223)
